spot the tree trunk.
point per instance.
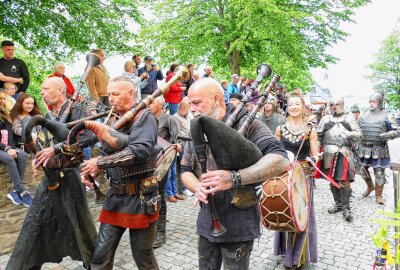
(234, 61)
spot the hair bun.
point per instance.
(296, 92)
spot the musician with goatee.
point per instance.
(168, 129)
(233, 248)
(132, 202)
(59, 223)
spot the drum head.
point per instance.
(299, 197)
(164, 162)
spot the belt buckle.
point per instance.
(122, 188)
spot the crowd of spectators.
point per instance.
(18, 107)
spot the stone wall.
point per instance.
(12, 216)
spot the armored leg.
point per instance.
(338, 201)
(345, 193)
(363, 172)
(380, 182)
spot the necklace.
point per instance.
(295, 129)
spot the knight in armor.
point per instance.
(242, 222)
(376, 130)
(59, 223)
(270, 117)
(336, 133)
(132, 202)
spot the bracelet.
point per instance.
(236, 179)
(7, 148)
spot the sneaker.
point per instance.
(179, 197)
(26, 198)
(187, 193)
(15, 198)
(172, 199)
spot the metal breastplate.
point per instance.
(372, 125)
(332, 135)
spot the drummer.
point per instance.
(168, 129)
(300, 138)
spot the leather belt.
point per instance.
(132, 188)
(373, 143)
(125, 188)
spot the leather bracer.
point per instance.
(120, 159)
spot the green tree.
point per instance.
(234, 36)
(385, 74)
(62, 28)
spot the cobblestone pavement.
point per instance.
(341, 245)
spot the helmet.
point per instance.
(376, 97)
(338, 106)
(354, 109)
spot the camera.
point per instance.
(153, 66)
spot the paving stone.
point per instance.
(341, 245)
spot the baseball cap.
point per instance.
(148, 57)
(235, 76)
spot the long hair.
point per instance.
(4, 115)
(18, 109)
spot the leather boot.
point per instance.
(345, 195)
(338, 201)
(370, 186)
(378, 195)
(161, 232)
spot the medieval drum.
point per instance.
(164, 158)
(285, 201)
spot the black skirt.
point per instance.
(57, 225)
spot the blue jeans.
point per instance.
(88, 152)
(15, 167)
(171, 188)
(173, 108)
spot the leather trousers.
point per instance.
(141, 245)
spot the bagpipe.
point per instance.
(284, 206)
(111, 139)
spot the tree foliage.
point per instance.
(234, 36)
(386, 69)
(62, 28)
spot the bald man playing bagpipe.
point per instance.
(227, 194)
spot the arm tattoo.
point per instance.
(267, 167)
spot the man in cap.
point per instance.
(335, 132)
(97, 79)
(270, 117)
(235, 98)
(376, 130)
(232, 88)
(11, 67)
(154, 73)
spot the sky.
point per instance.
(373, 23)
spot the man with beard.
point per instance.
(335, 133)
(243, 225)
(59, 223)
(376, 130)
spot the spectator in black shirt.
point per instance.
(13, 67)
